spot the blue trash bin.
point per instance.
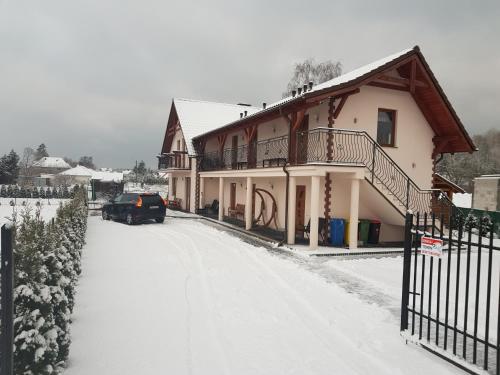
(337, 227)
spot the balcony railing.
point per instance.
(271, 152)
(334, 146)
(173, 161)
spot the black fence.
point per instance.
(451, 289)
(7, 301)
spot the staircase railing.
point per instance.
(351, 147)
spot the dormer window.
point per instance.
(386, 127)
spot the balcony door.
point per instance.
(252, 152)
(300, 208)
(234, 152)
(302, 140)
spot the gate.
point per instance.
(451, 286)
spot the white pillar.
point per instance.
(221, 198)
(314, 204)
(292, 209)
(354, 214)
(202, 192)
(170, 186)
(248, 205)
(192, 193)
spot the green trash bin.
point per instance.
(363, 230)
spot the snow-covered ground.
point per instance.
(187, 298)
(48, 207)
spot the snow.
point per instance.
(104, 176)
(79, 170)
(187, 298)
(51, 162)
(462, 200)
(48, 210)
(197, 117)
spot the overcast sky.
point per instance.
(97, 77)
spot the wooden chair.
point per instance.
(238, 211)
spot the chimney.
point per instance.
(293, 93)
(264, 105)
(241, 114)
(246, 113)
(299, 90)
(310, 85)
(305, 88)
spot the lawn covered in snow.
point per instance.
(48, 207)
(187, 298)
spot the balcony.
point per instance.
(176, 160)
(267, 153)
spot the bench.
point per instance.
(174, 204)
(238, 211)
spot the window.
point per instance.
(386, 127)
(178, 145)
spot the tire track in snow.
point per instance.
(206, 288)
(189, 354)
(309, 316)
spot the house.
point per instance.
(42, 171)
(486, 194)
(362, 145)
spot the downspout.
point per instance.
(287, 185)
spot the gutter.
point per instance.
(287, 184)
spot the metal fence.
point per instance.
(6, 301)
(451, 286)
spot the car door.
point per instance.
(114, 207)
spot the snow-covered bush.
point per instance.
(46, 272)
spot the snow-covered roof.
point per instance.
(198, 117)
(79, 170)
(104, 176)
(340, 80)
(51, 162)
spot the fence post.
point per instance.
(405, 298)
(7, 310)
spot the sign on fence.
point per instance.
(431, 246)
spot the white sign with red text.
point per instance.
(431, 246)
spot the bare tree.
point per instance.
(311, 71)
(26, 166)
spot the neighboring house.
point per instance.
(42, 171)
(486, 195)
(362, 145)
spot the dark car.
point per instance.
(135, 207)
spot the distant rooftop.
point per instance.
(51, 162)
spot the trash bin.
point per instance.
(363, 230)
(337, 232)
(374, 232)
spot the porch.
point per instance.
(294, 209)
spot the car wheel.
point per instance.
(105, 215)
(160, 220)
(130, 219)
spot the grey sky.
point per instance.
(97, 77)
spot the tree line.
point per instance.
(12, 165)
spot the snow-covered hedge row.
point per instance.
(47, 265)
(16, 191)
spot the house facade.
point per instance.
(362, 145)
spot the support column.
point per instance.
(221, 198)
(170, 186)
(354, 214)
(248, 205)
(314, 204)
(292, 203)
(202, 192)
